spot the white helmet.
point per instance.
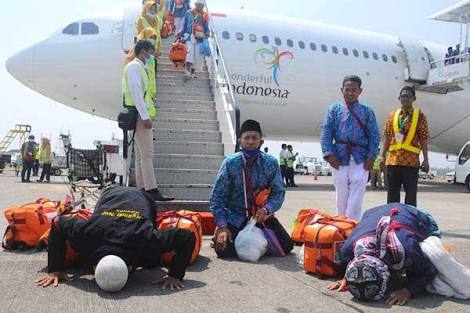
(111, 273)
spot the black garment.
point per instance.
(35, 167)
(290, 176)
(402, 175)
(27, 166)
(123, 224)
(283, 171)
(46, 172)
(272, 223)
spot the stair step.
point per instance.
(195, 192)
(176, 94)
(165, 83)
(179, 73)
(205, 148)
(192, 205)
(188, 113)
(182, 104)
(187, 161)
(186, 124)
(172, 66)
(187, 135)
(187, 90)
(181, 176)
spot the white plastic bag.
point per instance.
(250, 243)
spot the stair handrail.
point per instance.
(218, 62)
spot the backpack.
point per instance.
(71, 257)
(178, 52)
(324, 238)
(27, 223)
(184, 220)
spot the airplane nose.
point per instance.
(20, 66)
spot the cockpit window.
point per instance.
(89, 29)
(71, 29)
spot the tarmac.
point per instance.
(276, 285)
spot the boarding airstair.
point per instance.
(443, 75)
(194, 128)
(20, 130)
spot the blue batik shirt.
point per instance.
(340, 127)
(227, 201)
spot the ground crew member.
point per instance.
(350, 139)
(137, 93)
(122, 225)
(290, 172)
(385, 243)
(195, 31)
(376, 174)
(46, 160)
(406, 134)
(37, 160)
(283, 162)
(28, 151)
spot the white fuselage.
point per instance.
(84, 72)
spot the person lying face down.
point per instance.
(119, 237)
(386, 243)
(240, 175)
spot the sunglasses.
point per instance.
(406, 96)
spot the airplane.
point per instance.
(284, 72)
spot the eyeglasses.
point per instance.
(406, 96)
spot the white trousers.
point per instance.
(179, 23)
(194, 56)
(350, 184)
(143, 145)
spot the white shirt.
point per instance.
(135, 87)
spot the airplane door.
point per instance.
(417, 60)
(129, 34)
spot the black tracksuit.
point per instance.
(123, 224)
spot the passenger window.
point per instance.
(265, 39)
(356, 53)
(394, 59)
(90, 29)
(226, 35)
(252, 37)
(334, 49)
(465, 156)
(313, 46)
(345, 51)
(301, 45)
(365, 54)
(278, 41)
(385, 57)
(71, 29)
(375, 56)
(239, 36)
(290, 43)
(324, 48)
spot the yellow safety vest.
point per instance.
(376, 163)
(290, 163)
(146, 89)
(282, 161)
(406, 143)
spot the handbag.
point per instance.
(127, 118)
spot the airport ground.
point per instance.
(276, 285)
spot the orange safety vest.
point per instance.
(405, 144)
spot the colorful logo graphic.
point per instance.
(273, 59)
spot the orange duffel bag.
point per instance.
(27, 223)
(183, 219)
(323, 240)
(178, 52)
(304, 218)
(71, 257)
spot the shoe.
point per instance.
(47, 181)
(39, 181)
(27, 181)
(157, 196)
(187, 76)
(294, 185)
(23, 180)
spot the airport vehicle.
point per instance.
(67, 68)
(462, 166)
(450, 177)
(429, 176)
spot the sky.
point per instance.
(23, 23)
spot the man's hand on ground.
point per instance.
(172, 283)
(148, 124)
(341, 285)
(368, 163)
(51, 279)
(221, 237)
(399, 297)
(334, 162)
